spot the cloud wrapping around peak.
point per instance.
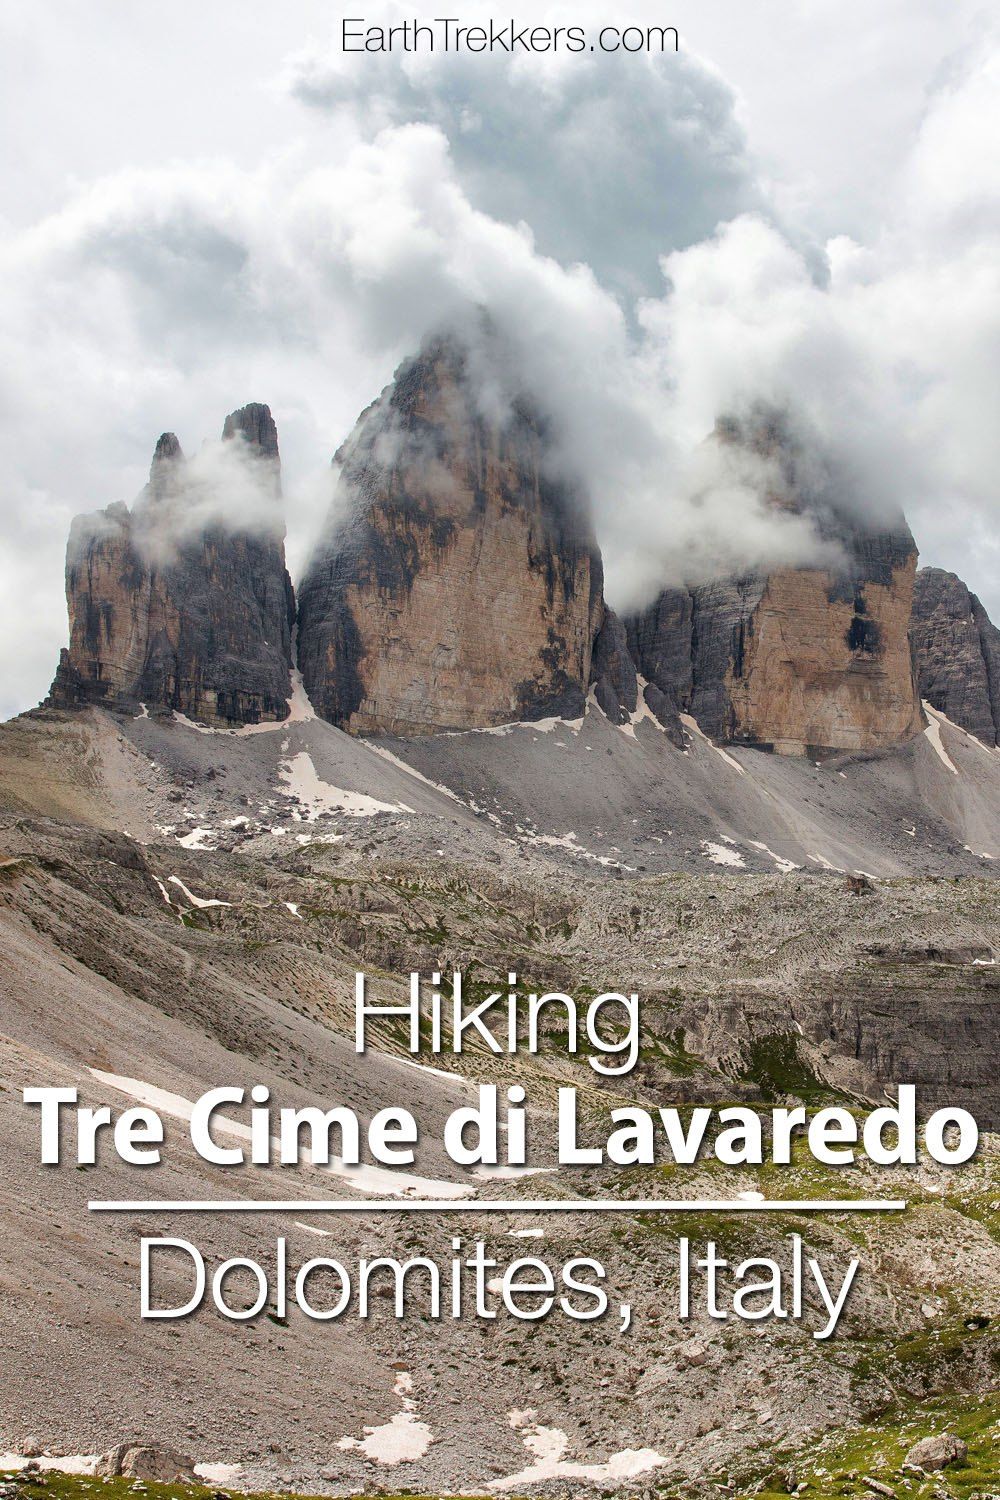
(621, 238)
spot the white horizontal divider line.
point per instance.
(497, 1206)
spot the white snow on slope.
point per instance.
(722, 854)
(693, 727)
(378, 1181)
(401, 1440)
(401, 765)
(548, 1445)
(570, 842)
(300, 711)
(786, 866)
(456, 1079)
(218, 1473)
(196, 839)
(642, 711)
(194, 900)
(539, 726)
(933, 733)
(302, 780)
(68, 1463)
(86, 1464)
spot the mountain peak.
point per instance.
(254, 423)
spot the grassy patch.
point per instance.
(51, 1485)
(838, 1465)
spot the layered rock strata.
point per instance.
(800, 660)
(184, 602)
(458, 585)
(957, 651)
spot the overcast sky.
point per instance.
(208, 204)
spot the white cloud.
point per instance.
(610, 161)
(168, 294)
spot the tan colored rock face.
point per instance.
(107, 596)
(816, 674)
(464, 589)
(178, 605)
(799, 660)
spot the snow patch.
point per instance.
(548, 1445)
(300, 711)
(569, 841)
(786, 866)
(69, 1463)
(539, 726)
(195, 900)
(401, 1440)
(691, 724)
(933, 734)
(457, 1079)
(644, 712)
(401, 765)
(378, 1181)
(196, 839)
(302, 780)
(723, 854)
(218, 1473)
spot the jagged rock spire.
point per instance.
(957, 650)
(178, 614)
(464, 588)
(164, 471)
(255, 423)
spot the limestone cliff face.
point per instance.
(184, 601)
(957, 650)
(458, 585)
(800, 660)
(612, 671)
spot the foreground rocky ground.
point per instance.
(159, 933)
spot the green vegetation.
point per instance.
(777, 1069)
(839, 1464)
(51, 1485)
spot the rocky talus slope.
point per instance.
(459, 585)
(184, 602)
(957, 651)
(801, 660)
(176, 958)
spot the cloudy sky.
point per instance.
(206, 205)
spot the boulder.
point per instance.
(933, 1453)
(146, 1461)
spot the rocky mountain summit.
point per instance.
(957, 651)
(800, 660)
(458, 585)
(184, 602)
